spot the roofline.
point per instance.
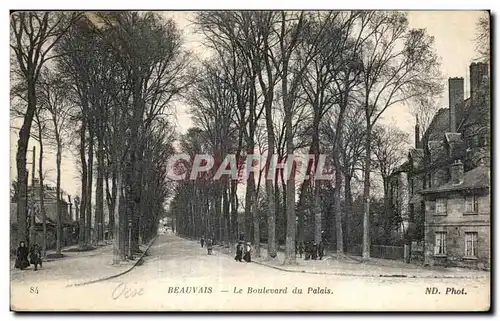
(451, 189)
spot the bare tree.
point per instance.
(212, 101)
(41, 120)
(389, 148)
(33, 35)
(399, 65)
(351, 149)
(483, 39)
(52, 91)
(424, 110)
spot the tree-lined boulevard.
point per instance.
(105, 89)
(176, 268)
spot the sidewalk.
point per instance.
(354, 266)
(77, 268)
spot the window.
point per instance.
(430, 206)
(440, 245)
(441, 206)
(471, 204)
(429, 185)
(471, 244)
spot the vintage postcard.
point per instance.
(250, 161)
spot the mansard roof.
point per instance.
(476, 178)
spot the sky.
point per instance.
(453, 32)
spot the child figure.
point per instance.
(248, 256)
(209, 246)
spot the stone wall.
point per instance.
(456, 223)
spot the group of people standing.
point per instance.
(209, 244)
(312, 250)
(25, 256)
(243, 252)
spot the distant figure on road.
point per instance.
(301, 249)
(248, 249)
(36, 256)
(315, 251)
(22, 256)
(307, 250)
(209, 246)
(202, 241)
(321, 250)
(239, 252)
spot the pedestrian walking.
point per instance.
(315, 251)
(36, 256)
(321, 250)
(239, 252)
(248, 255)
(301, 249)
(308, 250)
(209, 246)
(202, 241)
(22, 256)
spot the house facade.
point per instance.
(457, 219)
(69, 225)
(448, 180)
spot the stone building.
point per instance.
(457, 221)
(69, 225)
(448, 178)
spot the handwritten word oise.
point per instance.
(127, 292)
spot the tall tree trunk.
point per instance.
(348, 212)
(225, 199)
(83, 205)
(218, 210)
(318, 235)
(366, 193)
(234, 210)
(271, 220)
(387, 211)
(117, 241)
(99, 222)
(338, 207)
(248, 206)
(256, 216)
(284, 206)
(192, 214)
(58, 197)
(137, 187)
(22, 174)
(111, 198)
(90, 235)
(290, 257)
(32, 225)
(301, 211)
(41, 189)
(271, 206)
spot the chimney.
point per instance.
(457, 172)
(478, 82)
(456, 97)
(417, 134)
